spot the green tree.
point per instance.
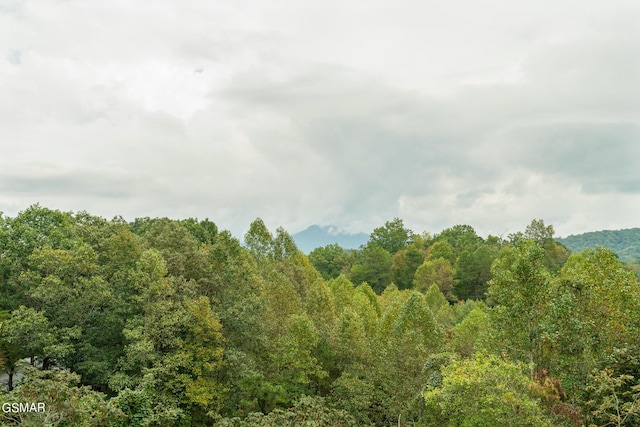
(466, 336)
(307, 411)
(593, 317)
(555, 254)
(34, 228)
(435, 299)
(441, 249)
(174, 349)
(615, 400)
(412, 337)
(67, 404)
(520, 291)
(204, 231)
(342, 291)
(321, 308)
(330, 260)
(354, 393)
(484, 391)
(180, 250)
(351, 339)
(25, 334)
(259, 240)
(295, 363)
(66, 285)
(539, 232)
(392, 236)
(284, 247)
(404, 265)
(459, 237)
(473, 269)
(235, 288)
(439, 272)
(374, 267)
(299, 271)
(367, 304)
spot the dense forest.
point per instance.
(161, 322)
(625, 243)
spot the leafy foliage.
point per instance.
(307, 412)
(163, 322)
(66, 403)
(484, 391)
(330, 260)
(519, 291)
(392, 236)
(373, 266)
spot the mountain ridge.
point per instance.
(625, 242)
(316, 236)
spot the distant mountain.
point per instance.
(316, 236)
(625, 243)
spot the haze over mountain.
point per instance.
(315, 236)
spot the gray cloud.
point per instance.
(69, 184)
(336, 115)
(601, 157)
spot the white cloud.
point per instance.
(345, 113)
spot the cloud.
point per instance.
(335, 114)
(70, 184)
(602, 157)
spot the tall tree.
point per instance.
(520, 291)
(204, 231)
(594, 318)
(180, 250)
(459, 237)
(555, 253)
(373, 267)
(439, 272)
(259, 240)
(404, 348)
(174, 348)
(235, 288)
(404, 265)
(466, 335)
(392, 236)
(473, 269)
(330, 260)
(34, 228)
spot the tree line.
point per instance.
(625, 243)
(161, 322)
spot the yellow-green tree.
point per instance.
(438, 271)
(484, 391)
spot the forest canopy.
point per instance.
(164, 322)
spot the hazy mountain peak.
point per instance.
(316, 236)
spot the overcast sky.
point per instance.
(335, 112)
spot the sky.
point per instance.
(345, 113)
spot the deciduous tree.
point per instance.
(520, 291)
(484, 391)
